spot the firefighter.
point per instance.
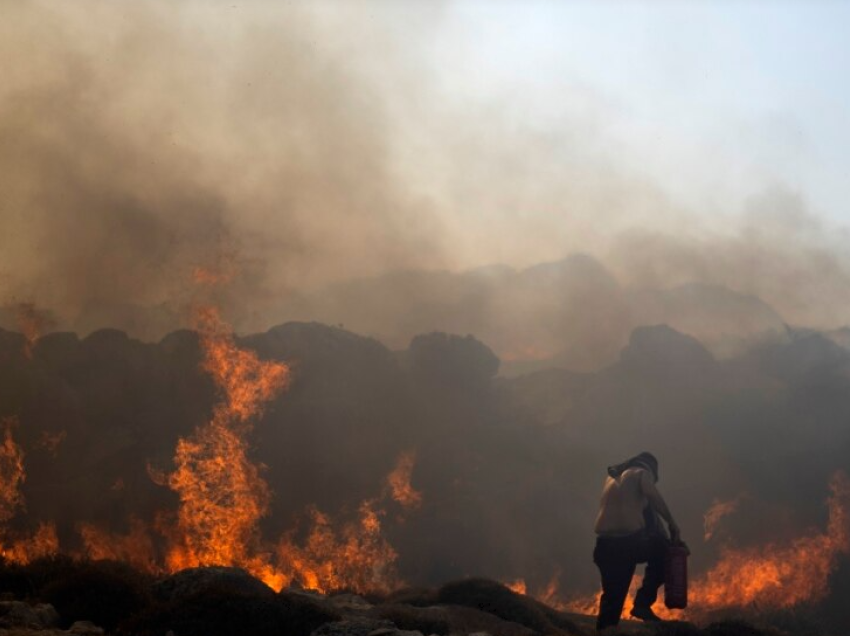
(630, 532)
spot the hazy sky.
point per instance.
(715, 100)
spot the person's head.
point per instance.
(644, 460)
(648, 461)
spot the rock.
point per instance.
(85, 628)
(192, 581)
(350, 602)
(20, 614)
(354, 627)
(47, 614)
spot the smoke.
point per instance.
(141, 142)
(306, 146)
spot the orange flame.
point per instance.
(222, 495)
(780, 576)
(135, 548)
(12, 476)
(398, 482)
(517, 585)
(356, 557)
(43, 543)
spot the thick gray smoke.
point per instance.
(313, 155)
(139, 143)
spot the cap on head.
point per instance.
(648, 460)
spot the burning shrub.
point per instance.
(494, 598)
(104, 592)
(224, 612)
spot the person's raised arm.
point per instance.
(658, 504)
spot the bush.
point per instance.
(223, 612)
(14, 580)
(103, 592)
(466, 620)
(428, 620)
(416, 596)
(494, 598)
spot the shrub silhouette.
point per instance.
(416, 596)
(428, 620)
(14, 580)
(494, 598)
(104, 592)
(223, 612)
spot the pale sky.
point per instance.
(714, 100)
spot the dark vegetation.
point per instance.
(227, 601)
(496, 599)
(509, 468)
(216, 611)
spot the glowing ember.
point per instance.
(716, 512)
(399, 482)
(222, 495)
(517, 585)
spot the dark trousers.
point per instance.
(617, 558)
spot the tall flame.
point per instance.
(222, 495)
(12, 475)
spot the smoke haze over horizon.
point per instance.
(308, 146)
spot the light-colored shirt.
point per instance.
(622, 504)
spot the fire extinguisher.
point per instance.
(676, 577)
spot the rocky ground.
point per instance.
(61, 596)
